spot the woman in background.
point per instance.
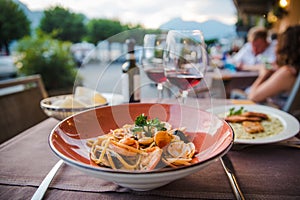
(276, 83)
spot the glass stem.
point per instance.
(184, 95)
(159, 90)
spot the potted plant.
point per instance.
(51, 59)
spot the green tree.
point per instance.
(101, 29)
(13, 23)
(49, 57)
(114, 31)
(63, 24)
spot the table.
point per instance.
(263, 172)
(230, 80)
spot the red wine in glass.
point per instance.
(184, 81)
(157, 75)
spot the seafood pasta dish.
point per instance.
(148, 144)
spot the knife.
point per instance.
(228, 167)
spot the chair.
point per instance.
(20, 105)
(292, 105)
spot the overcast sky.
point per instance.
(150, 13)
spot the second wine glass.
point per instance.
(185, 59)
(152, 61)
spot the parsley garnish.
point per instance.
(143, 124)
(232, 111)
(141, 120)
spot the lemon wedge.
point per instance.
(99, 99)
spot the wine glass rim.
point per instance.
(188, 33)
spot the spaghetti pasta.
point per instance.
(145, 145)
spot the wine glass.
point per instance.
(152, 60)
(185, 59)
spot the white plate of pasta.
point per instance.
(275, 126)
(141, 146)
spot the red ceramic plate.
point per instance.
(212, 137)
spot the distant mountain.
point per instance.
(33, 16)
(211, 29)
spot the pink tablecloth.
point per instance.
(264, 172)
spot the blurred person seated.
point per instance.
(216, 54)
(216, 51)
(258, 50)
(273, 86)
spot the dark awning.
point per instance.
(254, 7)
